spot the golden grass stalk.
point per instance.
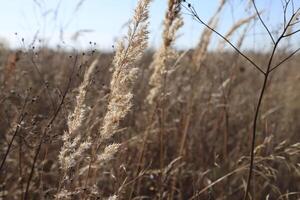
(73, 145)
(236, 27)
(129, 52)
(72, 148)
(238, 24)
(172, 23)
(76, 118)
(200, 52)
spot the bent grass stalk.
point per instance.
(128, 53)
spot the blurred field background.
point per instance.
(192, 143)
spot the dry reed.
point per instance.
(74, 145)
(129, 52)
(172, 23)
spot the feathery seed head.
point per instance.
(172, 23)
(129, 52)
(109, 152)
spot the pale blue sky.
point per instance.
(105, 19)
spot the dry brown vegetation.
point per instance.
(138, 124)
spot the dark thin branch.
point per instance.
(262, 22)
(21, 118)
(289, 24)
(293, 6)
(284, 60)
(196, 16)
(254, 136)
(284, 12)
(290, 34)
(295, 23)
(3, 99)
(264, 87)
(269, 69)
(43, 81)
(26, 196)
(266, 74)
